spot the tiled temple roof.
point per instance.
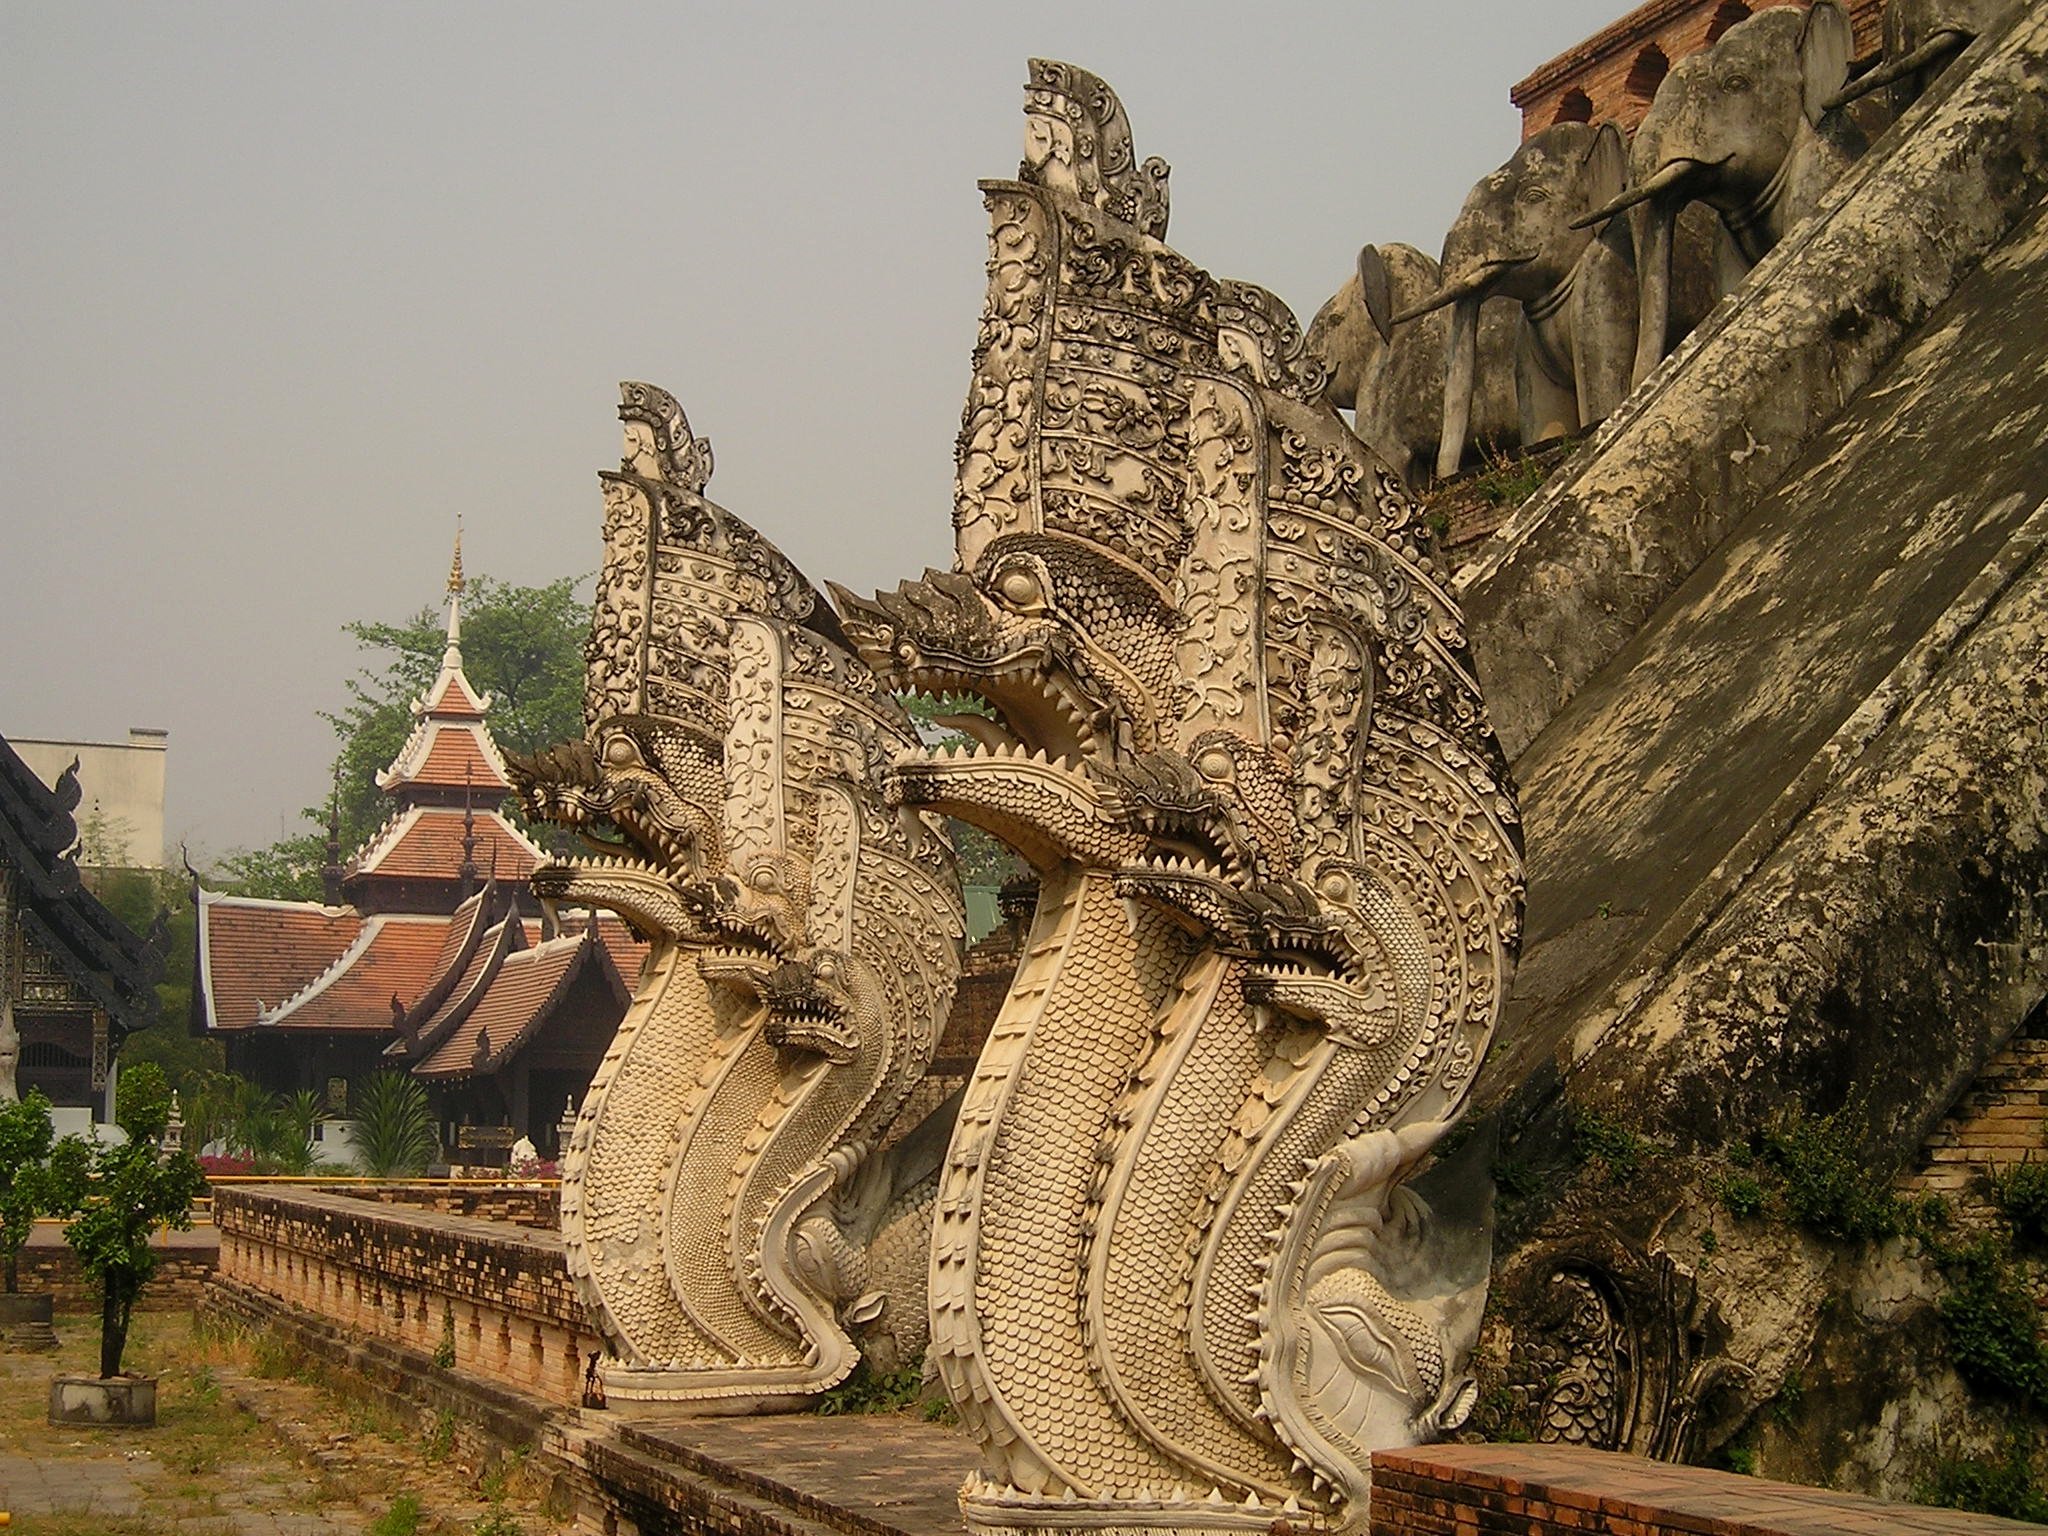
(528, 986)
(254, 955)
(425, 842)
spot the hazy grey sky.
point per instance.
(287, 287)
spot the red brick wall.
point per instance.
(1599, 69)
(499, 1295)
(1537, 1490)
(48, 1264)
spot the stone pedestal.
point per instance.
(25, 1322)
(115, 1401)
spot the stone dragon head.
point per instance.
(731, 749)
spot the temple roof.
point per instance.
(407, 960)
(425, 842)
(449, 749)
(254, 955)
(390, 959)
(108, 963)
(527, 988)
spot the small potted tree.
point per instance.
(24, 1144)
(116, 1197)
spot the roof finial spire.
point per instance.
(455, 586)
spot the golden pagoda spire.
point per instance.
(455, 586)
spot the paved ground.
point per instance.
(248, 1442)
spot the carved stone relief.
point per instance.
(734, 1232)
(1178, 1280)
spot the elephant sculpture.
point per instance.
(1746, 127)
(1521, 236)
(1920, 38)
(1393, 380)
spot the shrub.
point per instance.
(394, 1127)
(118, 1196)
(1742, 1194)
(1993, 1325)
(1828, 1187)
(25, 1136)
(2007, 1487)
(2022, 1194)
(1595, 1137)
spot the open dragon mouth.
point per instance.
(807, 1010)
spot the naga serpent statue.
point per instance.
(1177, 1280)
(735, 1216)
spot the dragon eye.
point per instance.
(621, 753)
(1336, 886)
(765, 879)
(1215, 764)
(1021, 587)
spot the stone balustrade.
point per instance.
(496, 1296)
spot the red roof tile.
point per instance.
(394, 956)
(627, 949)
(475, 976)
(450, 694)
(519, 997)
(456, 759)
(427, 843)
(256, 954)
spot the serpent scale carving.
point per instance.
(1177, 1279)
(727, 1214)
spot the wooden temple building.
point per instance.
(428, 952)
(74, 980)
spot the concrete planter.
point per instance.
(25, 1322)
(128, 1401)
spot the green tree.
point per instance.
(118, 1196)
(984, 859)
(521, 645)
(394, 1132)
(159, 903)
(24, 1144)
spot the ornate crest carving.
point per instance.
(1177, 1279)
(734, 1229)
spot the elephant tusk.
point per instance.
(1948, 40)
(1667, 177)
(1458, 288)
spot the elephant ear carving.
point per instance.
(1826, 42)
(1378, 289)
(1603, 172)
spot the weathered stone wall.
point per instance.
(1581, 567)
(498, 1295)
(1772, 654)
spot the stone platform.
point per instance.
(860, 1475)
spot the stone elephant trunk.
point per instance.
(1920, 38)
(1523, 234)
(1747, 128)
(1393, 380)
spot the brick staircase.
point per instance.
(2001, 1122)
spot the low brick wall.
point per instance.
(498, 1293)
(184, 1261)
(1538, 1490)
